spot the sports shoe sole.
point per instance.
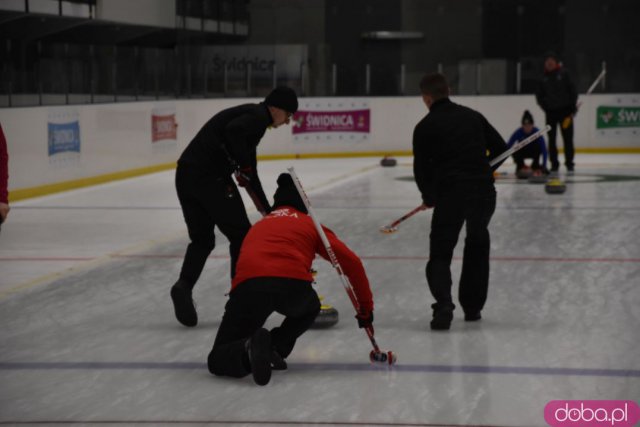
(440, 326)
(260, 356)
(277, 362)
(183, 306)
(441, 320)
(472, 317)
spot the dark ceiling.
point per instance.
(32, 27)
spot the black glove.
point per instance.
(365, 319)
(243, 176)
(428, 200)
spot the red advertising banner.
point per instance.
(331, 121)
(163, 127)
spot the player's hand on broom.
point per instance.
(4, 211)
(428, 200)
(243, 176)
(365, 319)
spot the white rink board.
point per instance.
(117, 137)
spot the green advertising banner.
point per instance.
(617, 117)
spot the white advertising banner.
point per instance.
(332, 120)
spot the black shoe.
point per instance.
(442, 317)
(277, 362)
(472, 316)
(183, 304)
(210, 363)
(259, 351)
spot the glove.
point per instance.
(4, 211)
(365, 319)
(243, 176)
(428, 201)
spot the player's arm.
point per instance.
(573, 93)
(513, 139)
(494, 141)
(541, 97)
(240, 141)
(423, 170)
(4, 178)
(255, 184)
(242, 147)
(354, 270)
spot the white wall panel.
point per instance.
(118, 137)
(156, 13)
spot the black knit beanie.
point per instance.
(287, 194)
(527, 118)
(283, 97)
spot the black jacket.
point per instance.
(450, 147)
(229, 139)
(556, 94)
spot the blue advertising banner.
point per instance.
(64, 137)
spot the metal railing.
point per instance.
(136, 74)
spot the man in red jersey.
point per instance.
(4, 178)
(273, 274)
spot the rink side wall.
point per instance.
(58, 148)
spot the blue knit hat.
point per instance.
(527, 118)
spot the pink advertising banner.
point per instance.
(163, 127)
(331, 121)
(592, 413)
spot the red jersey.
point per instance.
(4, 169)
(284, 244)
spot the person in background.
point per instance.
(557, 96)
(452, 171)
(225, 146)
(4, 178)
(273, 274)
(534, 150)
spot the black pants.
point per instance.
(249, 306)
(207, 202)
(472, 205)
(556, 121)
(531, 151)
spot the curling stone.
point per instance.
(327, 317)
(523, 173)
(388, 358)
(537, 177)
(388, 161)
(555, 186)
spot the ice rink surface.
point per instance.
(88, 336)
